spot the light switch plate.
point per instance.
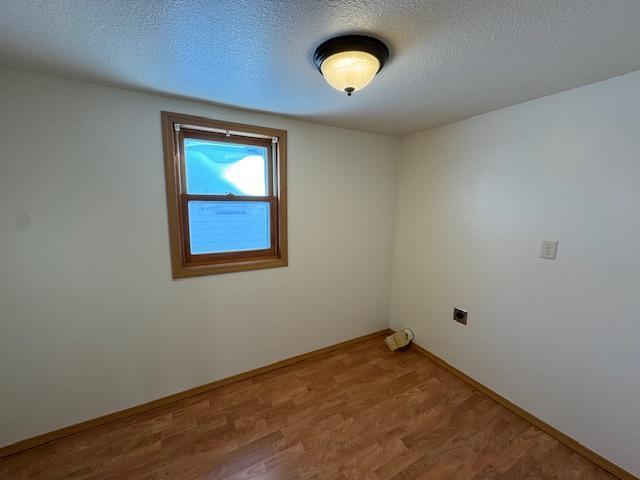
(549, 249)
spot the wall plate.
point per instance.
(460, 315)
(549, 249)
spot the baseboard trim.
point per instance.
(554, 432)
(176, 397)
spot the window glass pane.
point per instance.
(217, 227)
(218, 168)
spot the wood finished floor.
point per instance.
(361, 412)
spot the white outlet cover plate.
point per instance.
(549, 249)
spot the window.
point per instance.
(226, 195)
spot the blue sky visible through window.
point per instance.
(219, 168)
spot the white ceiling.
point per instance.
(450, 59)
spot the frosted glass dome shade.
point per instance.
(350, 71)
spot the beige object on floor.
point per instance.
(399, 339)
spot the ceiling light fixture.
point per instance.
(350, 62)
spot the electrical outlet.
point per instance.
(549, 249)
(460, 315)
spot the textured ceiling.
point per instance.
(450, 59)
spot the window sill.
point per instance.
(194, 270)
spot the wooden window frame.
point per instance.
(176, 127)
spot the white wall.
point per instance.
(474, 201)
(91, 321)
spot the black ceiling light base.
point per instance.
(346, 43)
